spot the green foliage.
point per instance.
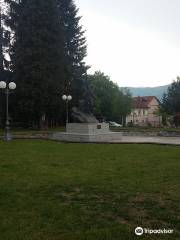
(171, 99)
(110, 102)
(47, 57)
(75, 49)
(36, 58)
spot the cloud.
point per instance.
(132, 53)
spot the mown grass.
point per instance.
(56, 191)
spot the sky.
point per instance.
(135, 42)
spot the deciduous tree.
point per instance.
(110, 102)
(171, 99)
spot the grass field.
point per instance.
(56, 191)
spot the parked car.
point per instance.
(114, 124)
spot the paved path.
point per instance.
(135, 139)
(122, 139)
(157, 140)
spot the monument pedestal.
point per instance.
(87, 132)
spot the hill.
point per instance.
(148, 91)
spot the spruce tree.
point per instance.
(37, 58)
(47, 53)
(75, 49)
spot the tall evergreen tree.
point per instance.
(37, 58)
(47, 53)
(75, 49)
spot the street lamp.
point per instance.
(67, 99)
(7, 87)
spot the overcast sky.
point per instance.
(135, 42)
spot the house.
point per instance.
(144, 112)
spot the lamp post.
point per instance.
(67, 99)
(7, 87)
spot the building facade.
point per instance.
(145, 112)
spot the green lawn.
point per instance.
(56, 191)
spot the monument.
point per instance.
(85, 127)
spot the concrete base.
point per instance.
(87, 132)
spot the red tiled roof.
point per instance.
(142, 102)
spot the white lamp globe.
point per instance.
(12, 85)
(69, 98)
(64, 97)
(2, 84)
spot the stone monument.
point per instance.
(85, 127)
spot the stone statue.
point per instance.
(83, 113)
